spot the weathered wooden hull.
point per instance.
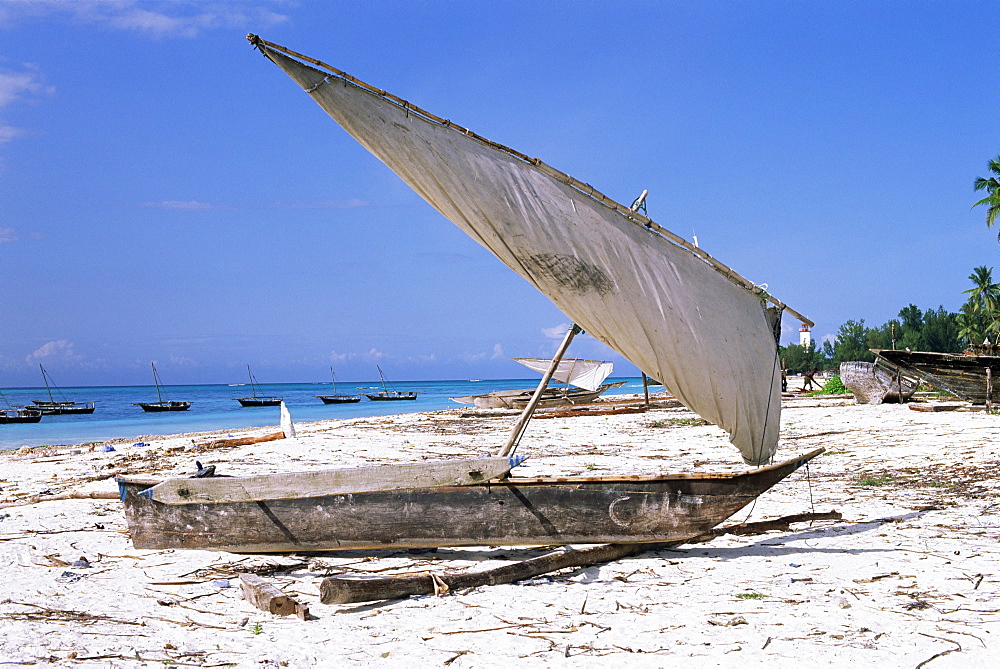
(877, 382)
(259, 401)
(20, 416)
(339, 399)
(155, 407)
(391, 396)
(511, 512)
(962, 375)
(517, 399)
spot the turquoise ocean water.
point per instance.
(213, 407)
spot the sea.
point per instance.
(214, 407)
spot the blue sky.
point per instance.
(167, 194)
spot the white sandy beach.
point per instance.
(909, 577)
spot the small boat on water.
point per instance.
(389, 395)
(53, 407)
(161, 403)
(256, 400)
(12, 414)
(335, 398)
(20, 415)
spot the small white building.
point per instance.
(805, 337)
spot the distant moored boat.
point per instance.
(162, 404)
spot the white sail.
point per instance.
(589, 374)
(669, 308)
(287, 426)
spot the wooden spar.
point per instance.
(348, 589)
(300, 485)
(989, 389)
(586, 189)
(529, 409)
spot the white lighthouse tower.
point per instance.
(805, 337)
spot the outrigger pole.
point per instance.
(522, 422)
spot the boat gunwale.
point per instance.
(541, 480)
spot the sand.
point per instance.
(909, 577)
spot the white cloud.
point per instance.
(192, 205)
(497, 352)
(557, 332)
(61, 350)
(8, 235)
(163, 19)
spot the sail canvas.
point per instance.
(589, 374)
(710, 340)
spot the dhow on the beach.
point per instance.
(661, 302)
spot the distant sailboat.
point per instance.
(162, 404)
(64, 406)
(389, 395)
(335, 398)
(257, 400)
(10, 414)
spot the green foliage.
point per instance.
(674, 422)
(256, 629)
(932, 330)
(992, 187)
(798, 359)
(749, 595)
(882, 479)
(832, 387)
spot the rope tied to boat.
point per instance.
(440, 587)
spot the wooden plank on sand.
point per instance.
(299, 485)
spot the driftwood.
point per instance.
(244, 441)
(27, 501)
(346, 589)
(266, 597)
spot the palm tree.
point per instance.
(981, 309)
(992, 186)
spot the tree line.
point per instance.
(976, 323)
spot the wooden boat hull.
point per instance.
(962, 375)
(509, 512)
(20, 416)
(164, 406)
(259, 401)
(878, 382)
(517, 399)
(63, 408)
(391, 396)
(339, 399)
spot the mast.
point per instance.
(529, 409)
(45, 378)
(333, 380)
(381, 376)
(253, 384)
(156, 380)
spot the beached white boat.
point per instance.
(677, 313)
(586, 376)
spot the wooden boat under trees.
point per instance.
(878, 382)
(969, 376)
(613, 271)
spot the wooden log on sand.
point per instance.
(346, 589)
